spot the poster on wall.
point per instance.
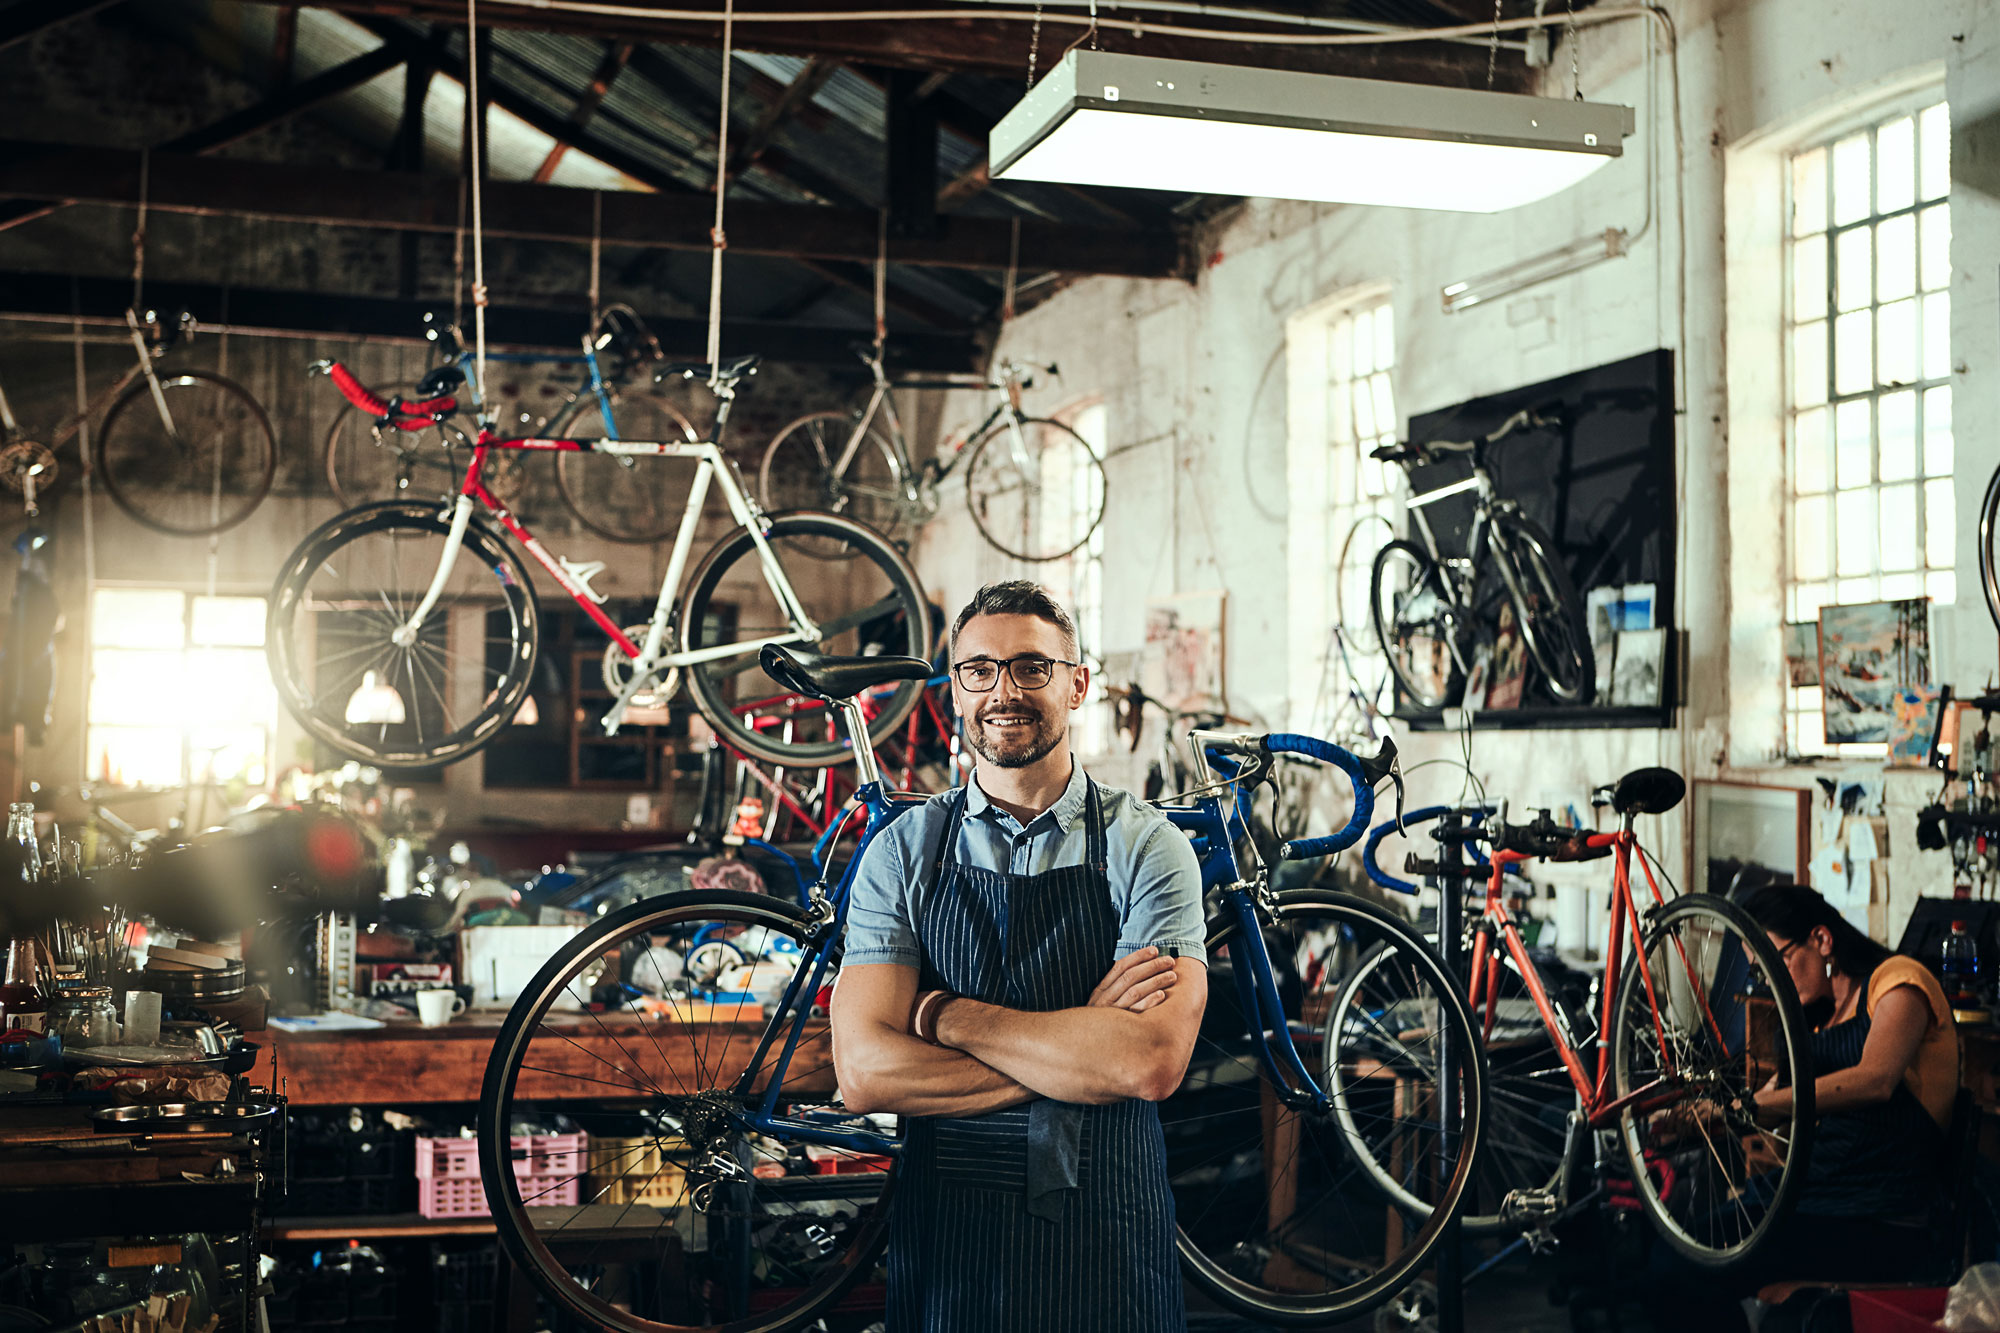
(1802, 654)
(1915, 726)
(1746, 835)
(1868, 654)
(1181, 663)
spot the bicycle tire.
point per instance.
(1398, 636)
(139, 476)
(1517, 1150)
(1550, 613)
(491, 574)
(351, 448)
(886, 612)
(797, 473)
(1218, 1129)
(1346, 569)
(1633, 1024)
(694, 1112)
(1009, 509)
(623, 499)
(1989, 527)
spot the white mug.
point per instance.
(437, 1007)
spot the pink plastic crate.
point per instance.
(464, 1196)
(539, 1155)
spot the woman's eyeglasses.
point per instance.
(1029, 672)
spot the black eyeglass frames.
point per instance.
(1030, 671)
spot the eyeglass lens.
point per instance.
(1030, 673)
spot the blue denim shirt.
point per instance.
(1155, 877)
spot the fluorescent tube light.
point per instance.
(1104, 118)
(1572, 258)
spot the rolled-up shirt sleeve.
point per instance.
(880, 924)
(1164, 909)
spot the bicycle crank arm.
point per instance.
(461, 517)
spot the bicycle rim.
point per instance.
(1412, 624)
(412, 465)
(1989, 528)
(633, 500)
(1724, 1004)
(341, 595)
(868, 601)
(1276, 1218)
(205, 474)
(798, 472)
(1529, 1097)
(1038, 501)
(1551, 614)
(623, 1233)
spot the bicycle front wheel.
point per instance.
(1414, 623)
(1035, 487)
(1989, 546)
(678, 1213)
(623, 498)
(1551, 614)
(863, 598)
(1706, 1016)
(191, 462)
(400, 465)
(1278, 1220)
(801, 470)
(337, 614)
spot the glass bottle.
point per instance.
(84, 1016)
(21, 831)
(1960, 967)
(22, 1004)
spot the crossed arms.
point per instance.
(1131, 1039)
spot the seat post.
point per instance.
(866, 770)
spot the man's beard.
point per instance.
(1020, 748)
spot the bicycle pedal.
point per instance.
(1527, 1208)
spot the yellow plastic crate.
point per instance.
(643, 1171)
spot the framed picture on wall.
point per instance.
(1746, 834)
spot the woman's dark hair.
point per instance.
(1795, 911)
(1017, 597)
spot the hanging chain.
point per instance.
(1493, 46)
(1034, 44)
(1093, 25)
(1575, 74)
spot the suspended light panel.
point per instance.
(1104, 118)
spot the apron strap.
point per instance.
(954, 815)
(1095, 853)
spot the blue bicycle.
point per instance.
(724, 1189)
(614, 398)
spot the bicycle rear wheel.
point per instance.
(338, 603)
(865, 600)
(1277, 1219)
(1551, 614)
(195, 461)
(678, 1215)
(401, 465)
(1699, 1028)
(1036, 495)
(798, 472)
(627, 499)
(1414, 622)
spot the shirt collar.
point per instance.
(1066, 811)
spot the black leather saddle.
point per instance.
(833, 678)
(1648, 791)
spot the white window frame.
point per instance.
(1077, 580)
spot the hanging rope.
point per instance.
(1013, 270)
(1575, 73)
(139, 230)
(1034, 45)
(478, 233)
(718, 239)
(596, 251)
(1493, 46)
(89, 516)
(1093, 25)
(881, 279)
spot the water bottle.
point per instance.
(1960, 970)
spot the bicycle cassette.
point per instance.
(22, 458)
(654, 693)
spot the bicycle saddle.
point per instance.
(1397, 453)
(833, 678)
(728, 371)
(439, 382)
(1648, 791)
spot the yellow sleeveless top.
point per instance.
(1933, 1075)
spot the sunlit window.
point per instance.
(1869, 430)
(179, 689)
(1077, 580)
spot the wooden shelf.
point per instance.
(375, 1226)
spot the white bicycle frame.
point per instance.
(883, 399)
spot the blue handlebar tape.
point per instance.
(1301, 849)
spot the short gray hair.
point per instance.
(1017, 597)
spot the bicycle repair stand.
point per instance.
(1450, 884)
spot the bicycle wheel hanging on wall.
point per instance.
(360, 468)
(1035, 487)
(799, 472)
(1551, 614)
(627, 499)
(1415, 624)
(195, 460)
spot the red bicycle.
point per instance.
(388, 647)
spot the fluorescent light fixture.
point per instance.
(1104, 118)
(1523, 274)
(374, 703)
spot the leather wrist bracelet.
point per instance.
(923, 1018)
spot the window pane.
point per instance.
(1808, 598)
(1937, 431)
(1854, 522)
(1809, 192)
(1849, 591)
(134, 756)
(1340, 412)
(232, 685)
(228, 753)
(1850, 179)
(1934, 143)
(1810, 474)
(229, 621)
(1935, 224)
(1812, 733)
(1899, 527)
(1896, 343)
(1385, 404)
(1937, 336)
(1851, 439)
(1896, 258)
(1340, 351)
(1942, 585)
(1897, 586)
(1364, 412)
(1809, 538)
(1809, 278)
(1854, 283)
(1896, 165)
(138, 618)
(1364, 348)
(1385, 337)
(1853, 353)
(1809, 364)
(1940, 525)
(1896, 426)
(134, 686)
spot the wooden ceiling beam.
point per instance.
(21, 21)
(398, 201)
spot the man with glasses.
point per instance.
(1023, 978)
